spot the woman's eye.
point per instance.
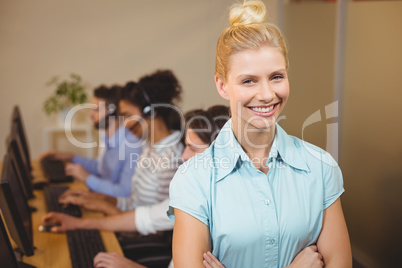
(247, 81)
(277, 77)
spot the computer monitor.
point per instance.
(9, 174)
(15, 210)
(14, 149)
(16, 118)
(7, 257)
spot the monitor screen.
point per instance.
(20, 199)
(15, 211)
(7, 257)
(17, 120)
(15, 151)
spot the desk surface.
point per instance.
(52, 249)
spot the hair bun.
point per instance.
(250, 12)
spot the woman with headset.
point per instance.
(149, 110)
(110, 173)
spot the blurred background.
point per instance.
(345, 65)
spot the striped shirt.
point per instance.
(155, 169)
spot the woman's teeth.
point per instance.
(263, 109)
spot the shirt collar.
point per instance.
(119, 136)
(114, 140)
(288, 151)
(227, 151)
(169, 141)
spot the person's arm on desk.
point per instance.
(91, 165)
(89, 203)
(145, 219)
(113, 260)
(77, 171)
(120, 222)
(58, 155)
(88, 194)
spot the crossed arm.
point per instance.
(333, 242)
(332, 250)
(190, 241)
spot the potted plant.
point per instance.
(67, 94)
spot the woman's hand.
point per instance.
(74, 192)
(64, 221)
(211, 262)
(113, 260)
(83, 193)
(90, 203)
(77, 171)
(58, 155)
(307, 258)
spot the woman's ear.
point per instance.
(220, 86)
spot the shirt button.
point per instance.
(271, 241)
(266, 201)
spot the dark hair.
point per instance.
(127, 91)
(111, 95)
(212, 119)
(160, 87)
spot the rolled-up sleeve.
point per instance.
(150, 219)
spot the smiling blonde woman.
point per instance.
(257, 197)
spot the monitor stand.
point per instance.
(18, 256)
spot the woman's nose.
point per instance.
(265, 92)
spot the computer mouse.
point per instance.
(39, 185)
(47, 227)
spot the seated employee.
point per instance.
(203, 127)
(162, 153)
(119, 151)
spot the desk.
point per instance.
(52, 249)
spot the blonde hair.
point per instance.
(248, 30)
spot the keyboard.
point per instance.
(52, 194)
(54, 170)
(84, 245)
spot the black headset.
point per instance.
(146, 111)
(111, 111)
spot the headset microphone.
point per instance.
(104, 122)
(135, 125)
(146, 111)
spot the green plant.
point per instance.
(67, 94)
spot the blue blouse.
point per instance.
(256, 219)
(112, 173)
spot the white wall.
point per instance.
(370, 124)
(310, 36)
(371, 146)
(106, 42)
